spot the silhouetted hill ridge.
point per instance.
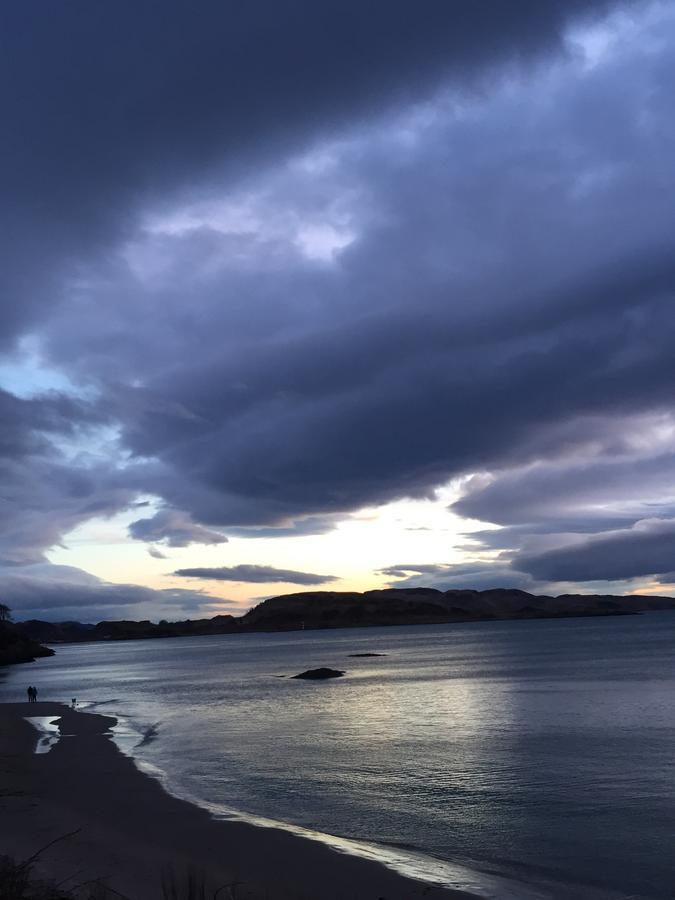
(326, 609)
(124, 629)
(342, 609)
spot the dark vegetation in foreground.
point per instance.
(334, 609)
(18, 881)
(16, 646)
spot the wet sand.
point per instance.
(130, 831)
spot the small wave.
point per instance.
(127, 735)
(398, 845)
(150, 769)
(89, 705)
(148, 735)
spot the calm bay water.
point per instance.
(542, 752)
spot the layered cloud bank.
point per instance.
(275, 265)
(255, 575)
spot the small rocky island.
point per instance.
(319, 674)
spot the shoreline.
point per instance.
(131, 831)
(337, 610)
(413, 864)
(55, 644)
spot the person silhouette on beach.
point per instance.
(34, 694)
(29, 691)
(73, 703)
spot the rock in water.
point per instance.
(317, 674)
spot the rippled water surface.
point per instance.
(539, 751)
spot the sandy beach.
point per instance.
(129, 832)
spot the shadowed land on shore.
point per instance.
(344, 609)
(127, 833)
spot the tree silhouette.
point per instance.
(4, 613)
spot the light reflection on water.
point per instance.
(540, 751)
(48, 731)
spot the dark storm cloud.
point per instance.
(646, 549)
(27, 423)
(174, 527)
(504, 306)
(59, 592)
(454, 576)
(594, 492)
(44, 492)
(255, 575)
(447, 338)
(105, 106)
(42, 500)
(666, 578)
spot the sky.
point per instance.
(334, 296)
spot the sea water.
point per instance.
(532, 758)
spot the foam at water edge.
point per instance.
(129, 736)
(408, 863)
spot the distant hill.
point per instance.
(16, 647)
(123, 630)
(343, 609)
(55, 632)
(333, 609)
